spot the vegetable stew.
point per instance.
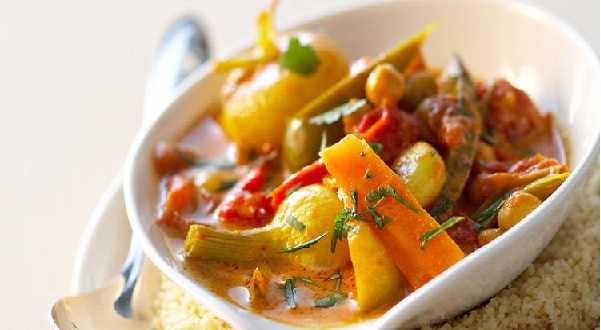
(322, 193)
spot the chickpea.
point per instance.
(517, 207)
(488, 235)
(385, 85)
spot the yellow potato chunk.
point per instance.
(257, 103)
(377, 278)
(304, 215)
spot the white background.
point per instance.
(72, 74)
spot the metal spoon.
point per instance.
(183, 48)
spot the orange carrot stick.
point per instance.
(349, 161)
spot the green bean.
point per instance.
(460, 159)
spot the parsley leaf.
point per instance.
(379, 220)
(308, 281)
(338, 112)
(325, 302)
(340, 228)
(434, 232)
(378, 194)
(305, 245)
(331, 300)
(289, 292)
(488, 214)
(299, 58)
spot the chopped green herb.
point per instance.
(379, 220)
(289, 293)
(434, 232)
(308, 281)
(377, 147)
(305, 245)
(331, 300)
(299, 58)
(369, 174)
(325, 302)
(340, 228)
(293, 221)
(292, 189)
(340, 295)
(338, 278)
(375, 196)
(488, 214)
(334, 115)
(226, 185)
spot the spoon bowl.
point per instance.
(532, 49)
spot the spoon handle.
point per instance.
(130, 272)
(184, 48)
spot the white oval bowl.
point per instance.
(496, 38)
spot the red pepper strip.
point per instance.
(309, 174)
(254, 181)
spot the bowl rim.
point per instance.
(516, 7)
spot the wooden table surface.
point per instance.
(71, 83)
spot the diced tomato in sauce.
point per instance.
(465, 234)
(247, 206)
(181, 196)
(394, 129)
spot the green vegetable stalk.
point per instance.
(204, 242)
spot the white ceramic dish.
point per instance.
(496, 38)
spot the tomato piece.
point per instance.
(181, 195)
(465, 234)
(394, 129)
(170, 158)
(512, 112)
(246, 210)
(247, 206)
(312, 173)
